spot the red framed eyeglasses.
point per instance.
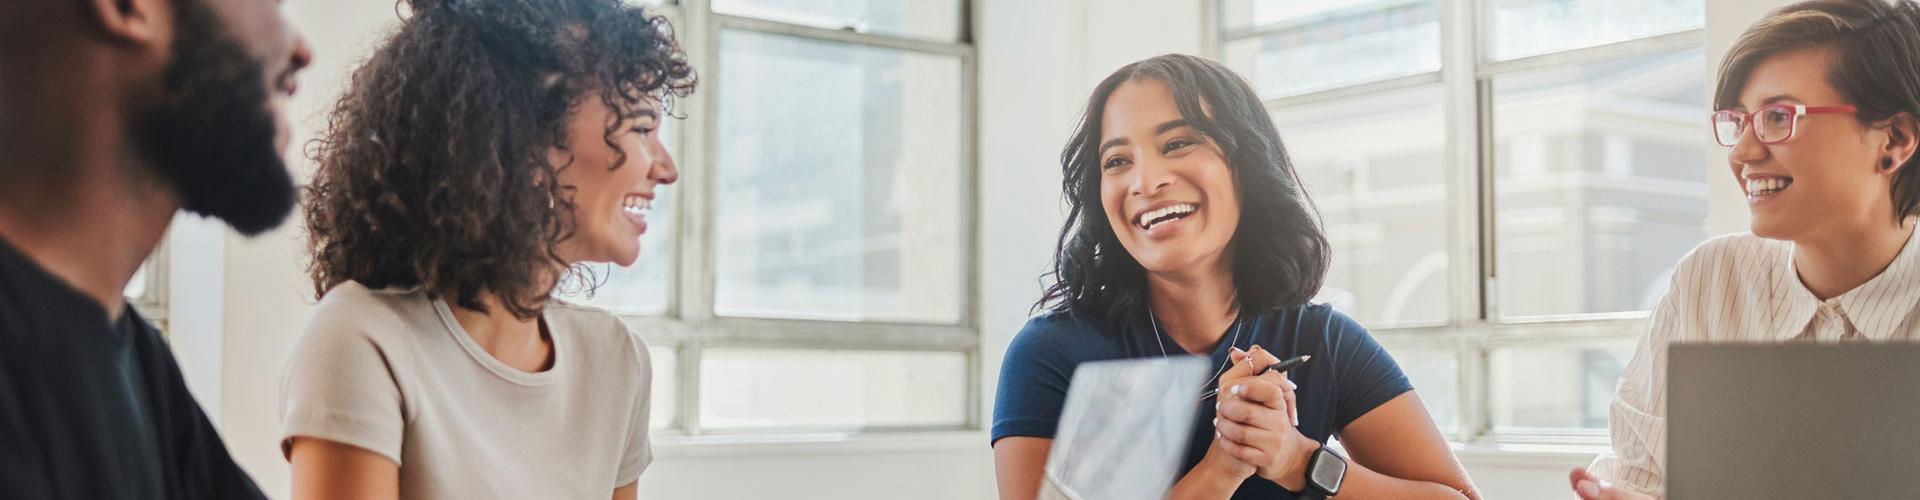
(1776, 123)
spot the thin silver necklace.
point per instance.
(1235, 342)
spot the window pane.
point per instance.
(1555, 387)
(666, 386)
(791, 388)
(840, 181)
(1530, 27)
(1436, 378)
(935, 19)
(1308, 46)
(1600, 182)
(1376, 166)
(137, 287)
(1244, 14)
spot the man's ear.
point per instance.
(1903, 138)
(133, 22)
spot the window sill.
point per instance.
(815, 444)
(1524, 455)
(1559, 456)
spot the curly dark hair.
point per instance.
(438, 170)
(1280, 255)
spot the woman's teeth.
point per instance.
(1761, 186)
(1151, 218)
(636, 205)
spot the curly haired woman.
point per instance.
(485, 151)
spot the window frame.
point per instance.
(152, 302)
(1475, 328)
(689, 324)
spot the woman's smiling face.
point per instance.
(1828, 174)
(1166, 189)
(611, 201)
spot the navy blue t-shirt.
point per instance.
(1350, 373)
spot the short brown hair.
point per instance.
(1876, 63)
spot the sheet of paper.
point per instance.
(1124, 429)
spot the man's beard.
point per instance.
(212, 138)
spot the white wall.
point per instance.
(236, 305)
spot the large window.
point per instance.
(811, 270)
(1507, 183)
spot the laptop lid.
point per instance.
(1795, 420)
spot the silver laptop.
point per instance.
(1797, 420)
(1124, 429)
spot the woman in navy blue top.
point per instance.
(1190, 233)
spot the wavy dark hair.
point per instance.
(1280, 255)
(438, 169)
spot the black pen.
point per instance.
(1283, 365)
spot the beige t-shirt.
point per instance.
(392, 372)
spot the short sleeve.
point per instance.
(340, 385)
(1033, 382)
(1365, 375)
(639, 450)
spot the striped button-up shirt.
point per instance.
(1742, 288)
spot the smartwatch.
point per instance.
(1325, 471)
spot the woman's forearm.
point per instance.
(1204, 483)
(1364, 483)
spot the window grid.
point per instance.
(689, 326)
(1475, 328)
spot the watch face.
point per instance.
(1329, 470)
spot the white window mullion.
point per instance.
(694, 272)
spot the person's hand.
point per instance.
(1591, 487)
(1217, 475)
(1257, 418)
(1223, 466)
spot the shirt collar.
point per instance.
(1799, 303)
(1876, 307)
(1882, 303)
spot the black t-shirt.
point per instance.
(1350, 373)
(95, 408)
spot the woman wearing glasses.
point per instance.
(1817, 105)
(1190, 234)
